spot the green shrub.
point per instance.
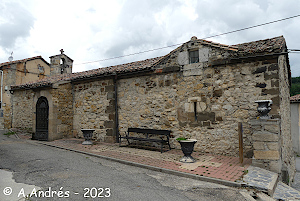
(9, 133)
(181, 138)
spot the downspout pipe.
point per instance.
(116, 109)
(1, 89)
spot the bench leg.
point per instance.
(169, 145)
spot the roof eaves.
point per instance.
(24, 60)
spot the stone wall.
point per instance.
(9, 78)
(23, 109)
(288, 159)
(60, 100)
(206, 103)
(223, 96)
(94, 108)
(63, 102)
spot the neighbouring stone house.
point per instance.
(295, 122)
(15, 73)
(200, 90)
(27, 70)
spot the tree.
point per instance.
(295, 87)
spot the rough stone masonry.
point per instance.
(200, 90)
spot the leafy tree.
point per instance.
(295, 87)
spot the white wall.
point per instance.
(295, 124)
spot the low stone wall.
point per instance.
(267, 143)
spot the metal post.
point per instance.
(1, 104)
(240, 131)
(116, 110)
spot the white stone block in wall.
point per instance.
(189, 107)
(183, 58)
(203, 54)
(193, 69)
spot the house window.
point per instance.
(194, 56)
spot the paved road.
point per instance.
(36, 166)
(296, 183)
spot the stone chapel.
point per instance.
(200, 90)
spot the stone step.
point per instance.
(1, 123)
(285, 192)
(261, 179)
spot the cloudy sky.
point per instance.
(95, 30)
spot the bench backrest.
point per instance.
(149, 131)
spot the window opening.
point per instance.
(62, 64)
(62, 61)
(195, 110)
(194, 56)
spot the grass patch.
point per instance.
(9, 133)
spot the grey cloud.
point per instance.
(19, 23)
(137, 27)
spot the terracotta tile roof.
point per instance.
(276, 44)
(48, 81)
(271, 45)
(123, 68)
(219, 45)
(295, 98)
(23, 60)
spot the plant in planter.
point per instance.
(187, 147)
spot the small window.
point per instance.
(62, 61)
(41, 69)
(194, 56)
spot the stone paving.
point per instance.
(285, 192)
(261, 179)
(219, 167)
(223, 168)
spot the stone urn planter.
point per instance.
(264, 108)
(187, 147)
(87, 134)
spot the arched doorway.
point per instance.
(42, 114)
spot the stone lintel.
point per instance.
(266, 155)
(265, 137)
(264, 121)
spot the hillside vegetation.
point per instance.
(295, 87)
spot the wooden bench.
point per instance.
(164, 136)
